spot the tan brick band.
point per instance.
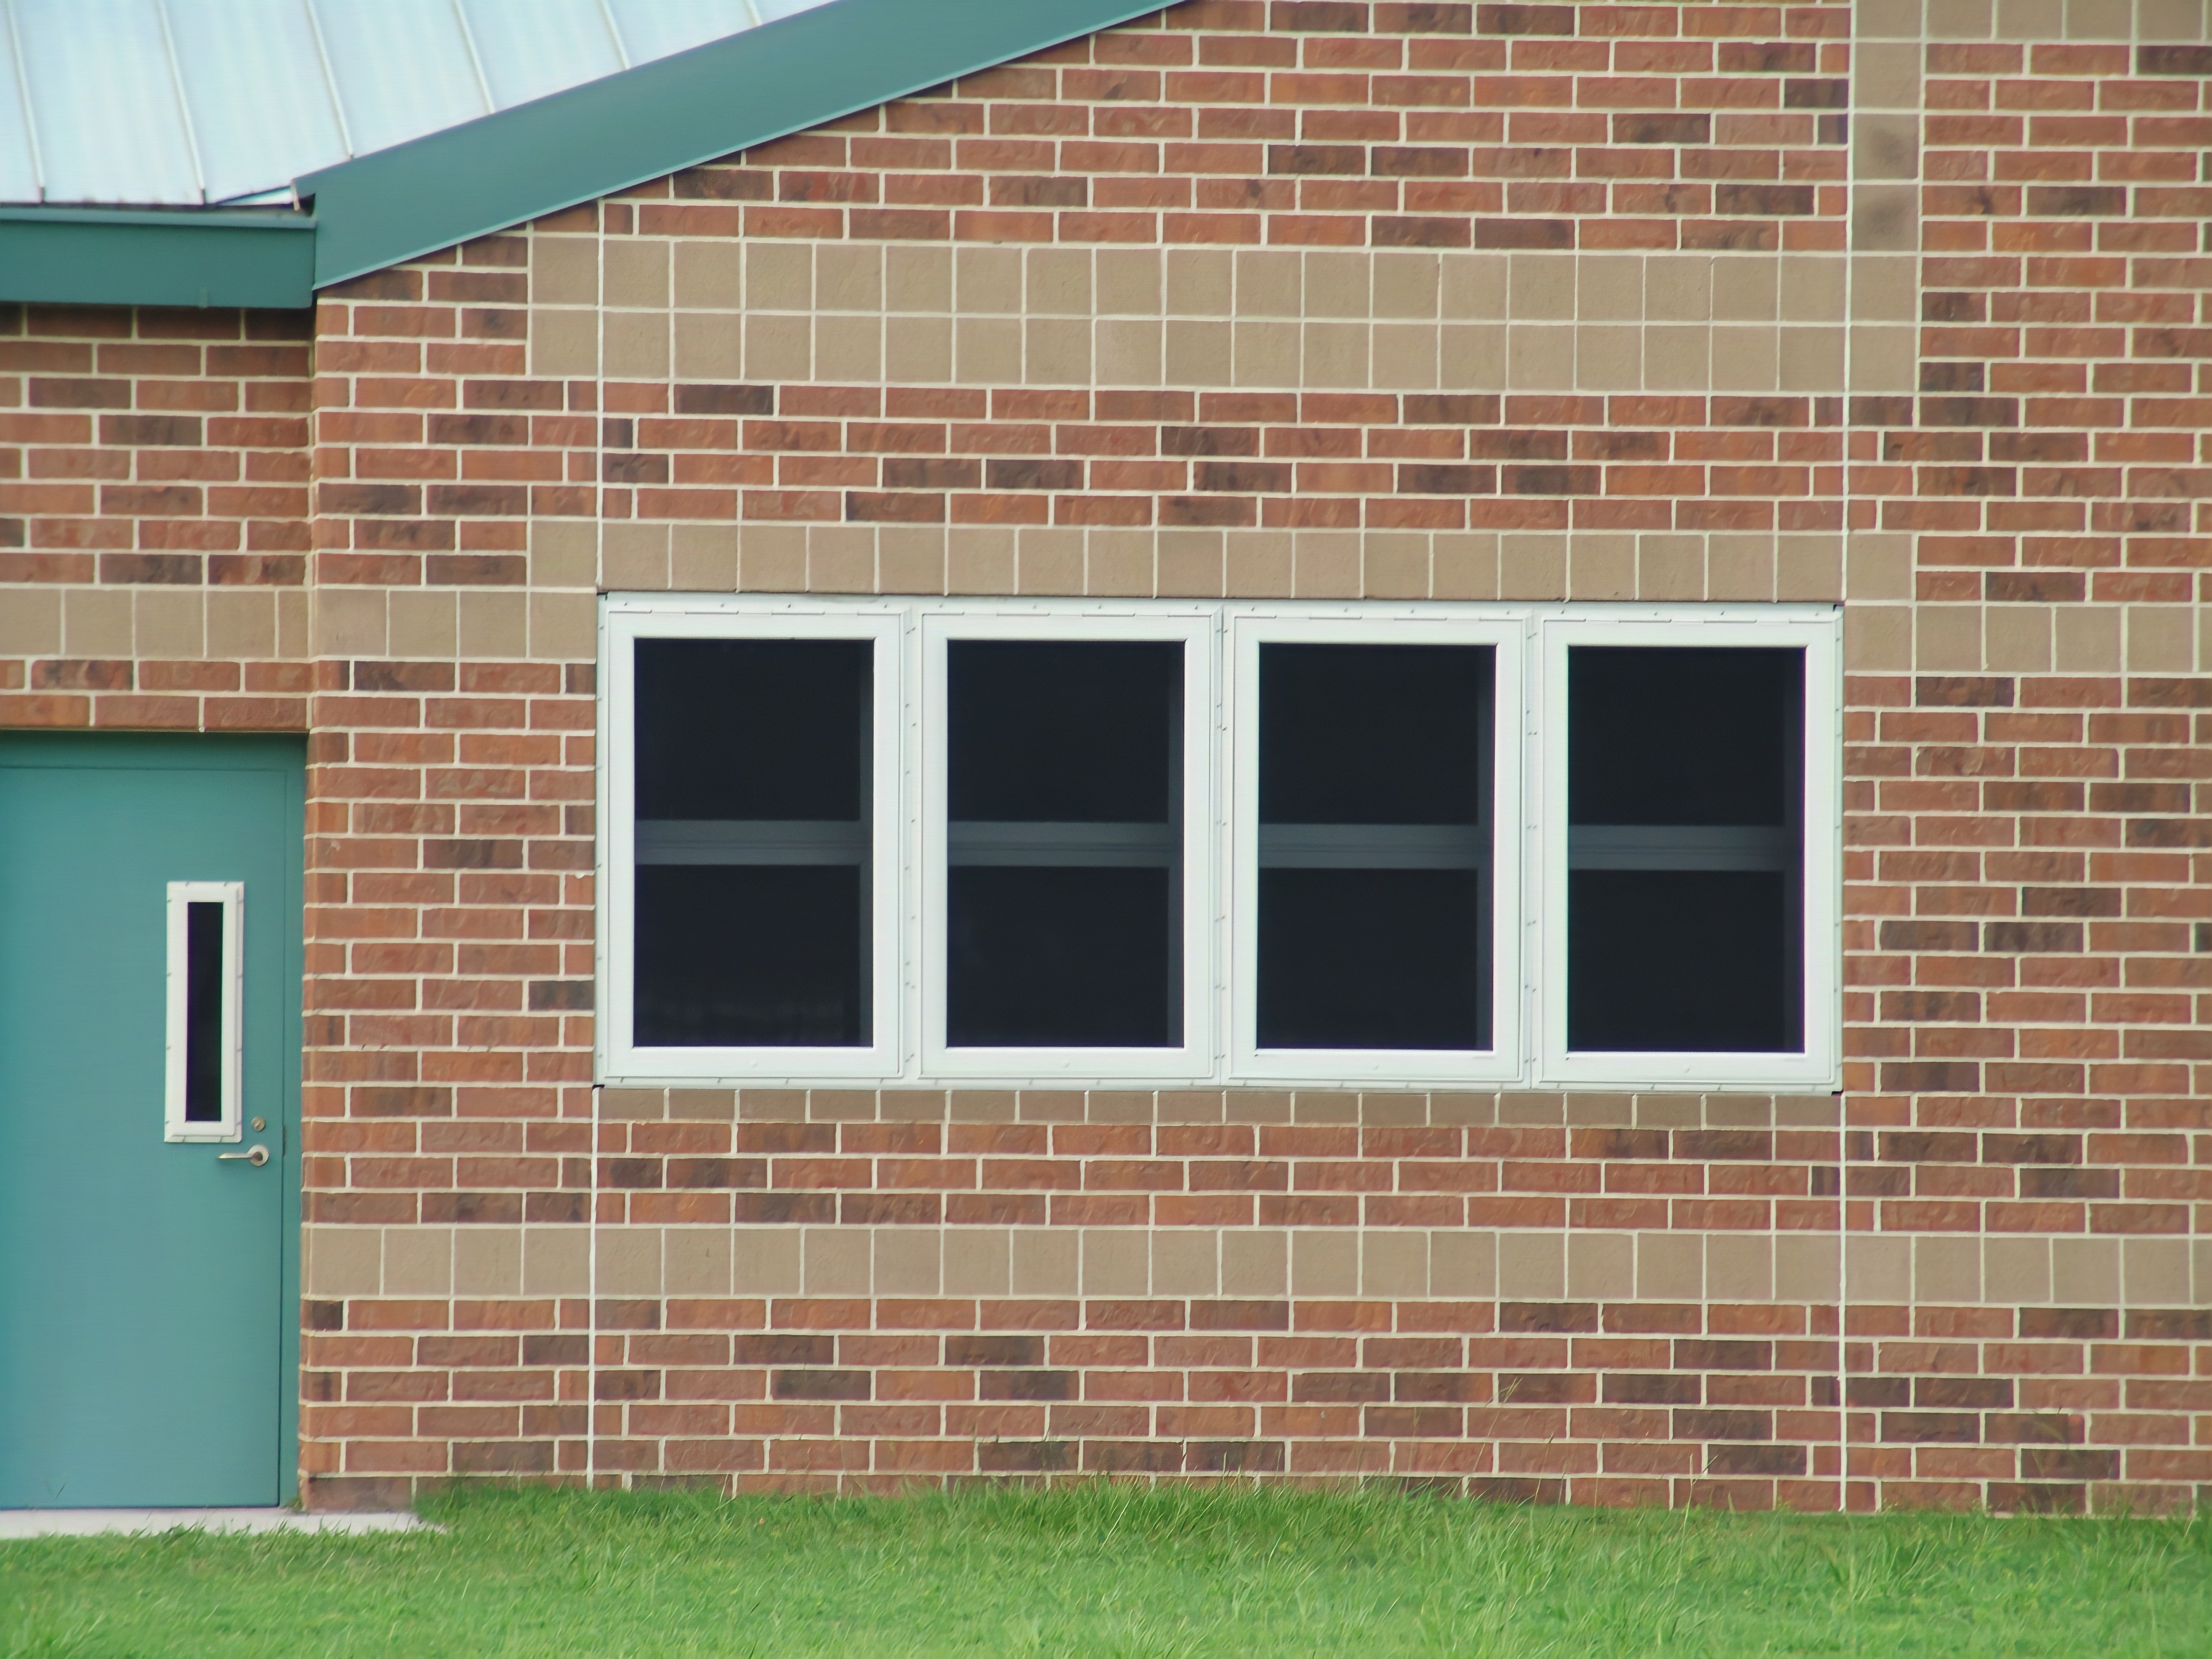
(1391, 1264)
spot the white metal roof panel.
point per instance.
(655, 29)
(404, 68)
(251, 70)
(184, 102)
(104, 95)
(529, 48)
(19, 172)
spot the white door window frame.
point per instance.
(1250, 628)
(230, 1012)
(1193, 628)
(622, 624)
(1814, 628)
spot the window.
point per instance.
(1678, 923)
(1372, 891)
(1063, 842)
(755, 810)
(204, 1009)
(1067, 806)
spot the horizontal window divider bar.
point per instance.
(751, 840)
(1370, 846)
(1678, 847)
(1061, 846)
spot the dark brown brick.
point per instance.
(1025, 1456)
(1561, 1316)
(2031, 1148)
(939, 472)
(1816, 95)
(1317, 17)
(999, 1351)
(2169, 1324)
(400, 1101)
(1925, 1428)
(1723, 1425)
(1662, 127)
(1316, 158)
(1710, 1354)
(1027, 472)
(2070, 1324)
(819, 1385)
(1546, 1387)
(725, 399)
(1871, 1392)
(1981, 1394)
(1763, 198)
(2068, 1463)
(2173, 60)
(2016, 1498)
(1026, 1385)
(1643, 1389)
(2032, 938)
(1236, 1457)
(2072, 201)
(149, 431)
(1755, 1460)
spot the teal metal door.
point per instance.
(148, 1279)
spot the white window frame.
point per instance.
(1222, 642)
(1194, 1059)
(230, 1035)
(1814, 628)
(1250, 628)
(622, 624)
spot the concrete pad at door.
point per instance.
(91, 1523)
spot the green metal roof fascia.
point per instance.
(605, 136)
(187, 257)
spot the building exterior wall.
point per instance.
(1903, 308)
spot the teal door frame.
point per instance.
(285, 756)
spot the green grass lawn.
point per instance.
(1117, 1571)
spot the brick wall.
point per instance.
(1895, 307)
(153, 519)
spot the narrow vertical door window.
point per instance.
(1684, 852)
(206, 960)
(1063, 844)
(1374, 847)
(204, 1001)
(753, 876)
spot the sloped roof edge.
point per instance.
(486, 175)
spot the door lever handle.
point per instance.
(256, 1156)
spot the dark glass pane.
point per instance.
(1682, 960)
(752, 728)
(757, 956)
(1677, 941)
(202, 1011)
(1060, 958)
(753, 874)
(1062, 929)
(1372, 733)
(1374, 847)
(1372, 959)
(1672, 734)
(1064, 731)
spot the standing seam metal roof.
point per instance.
(190, 103)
